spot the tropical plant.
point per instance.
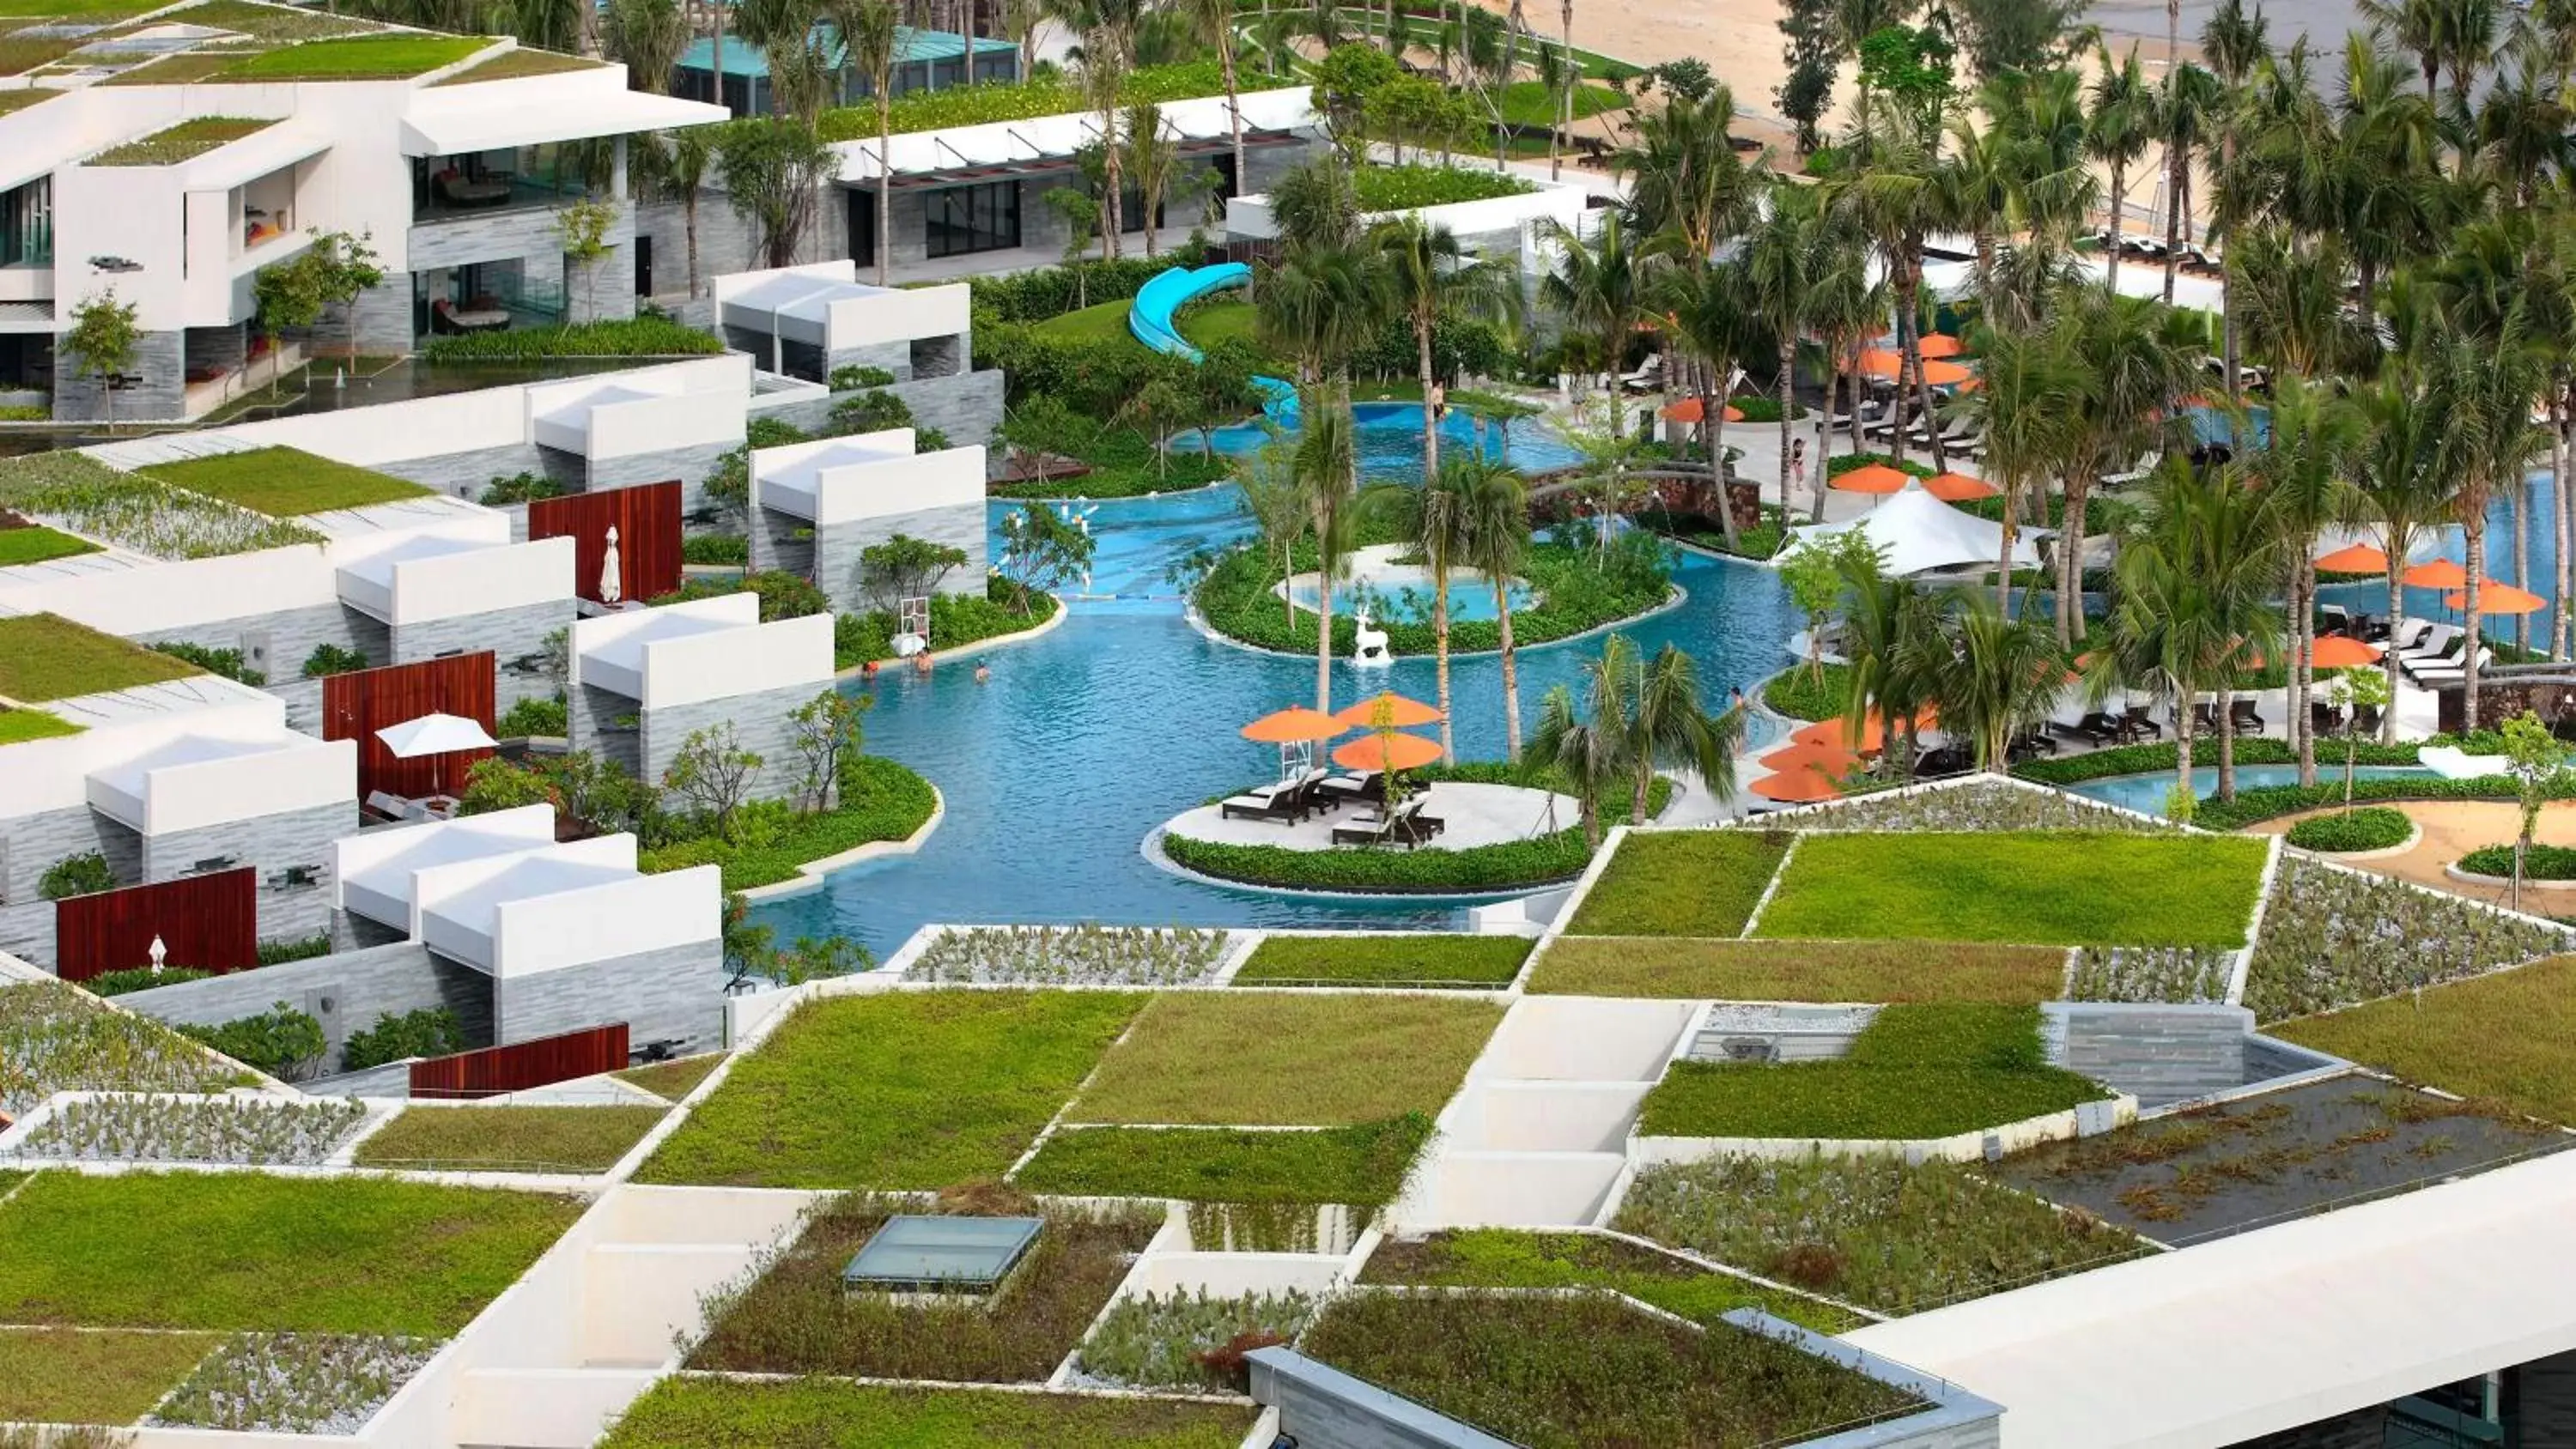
(773, 169)
(1639, 716)
(1498, 533)
(1428, 275)
(2537, 762)
(1602, 291)
(1998, 679)
(1434, 519)
(1326, 470)
(869, 29)
(103, 340)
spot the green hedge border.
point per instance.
(2149, 759)
(1236, 601)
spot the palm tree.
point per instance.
(1268, 477)
(1684, 178)
(1998, 679)
(2402, 485)
(779, 28)
(2305, 468)
(1324, 472)
(684, 170)
(1108, 32)
(2289, 302)
(2236, 45)
(649, 35)
(1318, 305)
(1602, 291)
(1213, 20)
(2191, 98)
(868, 36)
(2030, 394)
(1895, 199)
(1712, 317)
(1498, 534)
(1429, 274)
(2489, 386)
(2122, 124)
(1893, 635)
(1435, 519)
(1801, 262)
(1639, 717)
(2140, 359)
(1151, 158)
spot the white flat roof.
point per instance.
(455, 120)
(536, 875)
(145, 702)
(2269, 1330)
(803, 476)
(378, 568)
(251, 157)
(1060, 137)
(626, 651)
(800, 296)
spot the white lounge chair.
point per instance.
(2145, 465)
(2408, 633)
(2434, 642)
(2429, 675)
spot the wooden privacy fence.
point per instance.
(647, 520)
(209, 922)
(356, 705)
(521, 1065)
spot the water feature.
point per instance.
(1388, 438)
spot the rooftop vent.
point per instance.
(922, 1254)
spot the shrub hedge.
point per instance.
(2250, 750)
(1404, 188)
(647, 336)
(2372, 827)
(1576, 596)
(1510, 865)
(2270, 802)
(2539, 862)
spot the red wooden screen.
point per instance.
(647, 520)
(522, 1065)
(355, 706)
(210, 922)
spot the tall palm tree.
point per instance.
(685, 165)
(1602, 291)
(1998, 680)
(1318, 305)
(2403, 485)
(1498, 533)
(1895, 199)
(1638, 717)
(1793, 254)
(2121, 126)
(2289, 303)
(2305, 467)
(2185, 109)
(1894, 637)
(2237, 45)
(1213, 20)
(1152, 157)
(1324, 473)
(1437, 521)
(868, 31)
(2030, 392)
(1268, 477)
(2140, 359)
(649, 36)
(1712, 313)
(2489, 387)
(1683, 175)
(1428, 274)
(1108, 32)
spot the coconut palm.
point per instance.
(1712, 313)
(2288, 299)
(1684, 178)
(2305, 467)
(2402, 485)
(2237, 46)
(1800, 249)
(1268, 477)
(1893, 636)
(1428, 274)
(868, 30)
(1325, 469)
(1108, 33)
(2121, 127)
(1435, 519)
(1998, 679)
(649, 36)
(1498, 534)
(2185, 110)
(2140, 359)
(1602, 291)
(688, 157)
(1152, 157)
(2488, 386)
(1637, 716)
(2030, 390)
(1213, 20)
(1895, 199)
(1318, 305)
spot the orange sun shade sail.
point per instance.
(2337, 651)
(1291, 726)
(1834, 734)
(2360, 558)
(2441, 573)
(1959, 488)
(1940, 344)
(1797, 787)
(1831, 760)
(1401, 713)
(2495, 598)
(1386, 752)
(1688, 410)
(1872, 478)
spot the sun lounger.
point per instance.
(1367, 785)
(2407, 634)
(1406, 823)
(2433, 674)
(1283, 802)
(2439, 640)
(2139, 720)
(2145, 465)
(2241, 713)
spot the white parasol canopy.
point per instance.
(1918, 533)
(434, 734)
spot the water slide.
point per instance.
(1150, 319)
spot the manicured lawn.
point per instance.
(1215, 1059)
(1361, 1166)
(357, 57)
(38, 544)
(1098, 322)
(509, 1139)
(1915, 1072)
(819, 1414)
(1723, 970)
(1385, 961)
(248, 1251)
(286, 482)
(57, 1376)
(20, 725)
(2502, 1036)
(1680, 883)
(2053, 888)
(910, 1090)
(45, 656)
(673, 1080)
(880, 800)
(185, 141)
(1507, 1258)
(513, 64)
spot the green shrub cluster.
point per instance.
(879, 800)
(226, 662)
(2250, 750)
(956, 620)
(782, 595)
(1577, 593)
(77, 875)
(143, 978)
(429, 1032)
(283, 1042)
(645, 336)
(1043, 292)
(853, 376)
(304, 948)
(2270, 802)
(1809, 694)
(2373, 827)
(2539, 862)
(1122, 460)
(544, 717)
(520, 487)
(1405, 188)
(328, 659)
(715, 548)
(1054, 95)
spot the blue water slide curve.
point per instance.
(1149, 317)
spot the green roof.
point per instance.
(182, 142)
(17, 726)
(356, 58)
(517, 64)
(285, 482)
(45, 657)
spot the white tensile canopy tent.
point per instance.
(1916, 533)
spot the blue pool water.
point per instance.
(1389, 439)
(1407, 599)
(1090, 736)
(2146, 793)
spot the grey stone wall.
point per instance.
(346, 992)
(692, 466)
(277, 644)
(677, 991)
(303, 704)
(837, 548)
(465, 475)
(591, 716)
(272, 844)
(966, 406)
(606, 288)
(158, 390)
(511, 634)
(27, 931)
(780, 541)
(759, 724)
(2269, 1057)
(725, 243)
(384, 317)
(2159, 1054)
(2361, 1429)
(31, 844)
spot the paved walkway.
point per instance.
(2454, 828)
(1474, 815)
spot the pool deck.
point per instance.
(1475, 815)
(2449, 829)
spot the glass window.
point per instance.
(962, 219)
(27, 224)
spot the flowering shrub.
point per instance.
(1979, 805)
(1183, 1341)
(1083, 955)
(55, 1039)
(259, 1131)
(2151, 973)
(295, 1383)
(2333, 937)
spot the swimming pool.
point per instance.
(1401, 593)
(1389, 440)
(1092, 735)
(2146, 793)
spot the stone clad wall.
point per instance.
(159, 386)
(2158, 1054)
(837, 548)
(510, 634)
(346, 992)
(272, 844)
(759, 724)
(31, 845)
(674, 992)
(277, 644)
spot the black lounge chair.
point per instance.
(2139, 721)
(2324, 718)
(1405, 823)
(2365, 718)
(2101, 728)
(2240, 713)
(1946, 760)
(1367, 785)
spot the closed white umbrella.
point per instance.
(434, 734)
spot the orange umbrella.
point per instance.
(1831, 760)
(1940, 344)
(1945, 374)
(1871, 478)
(1959, 488)
(1688, 410)
(1292, 726)
(2495, 598)
(1879, 362)
(1797, 786)
(2340, 651)
(1402, 713)
(1834, 734)
(2359, 558)
(2441, 573)
(1386, 752)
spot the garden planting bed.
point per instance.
(1082, 955)
(1680, 883)
(2333, 937)
(567, 1140)
(692, 1413)
(1508, 1258)
(137, 512)
(2544, 867)
(1392, 961)
(285, 482)
(2046, 888)
(897, 1090)
(2170, 974)
(1360, 1166)
(2368, 832)
(2270, 1156)
(233, 1130)
(1532, 1369)
(672, 1081)
(1878, 1232)
(1733, 970)
(1982, 803)
(1187, 1341)
(792, 1314)
(2501, 1037)
(1276, 1059)
(56, 1038)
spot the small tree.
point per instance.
(904, 567)
(1815, 572)
(582, 227)
(1167, 402)
(344, 268)
(713, 772)
(827, 731)
(103, 336)
(1081, 212)
(2352, 691)
(290, 299)
(1041, 552)
(2537, 761)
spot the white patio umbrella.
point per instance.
(434, 734)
